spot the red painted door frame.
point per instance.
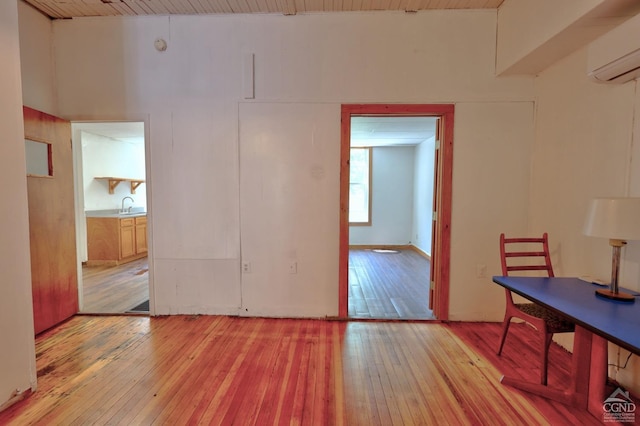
(442, 196)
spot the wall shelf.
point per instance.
(115, 181)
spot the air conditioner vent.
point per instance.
(615, 57)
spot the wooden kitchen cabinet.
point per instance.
(127, 238)
(141, 234)
(115, 240)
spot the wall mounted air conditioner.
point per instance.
(615, 56)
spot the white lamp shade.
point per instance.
(614, 218)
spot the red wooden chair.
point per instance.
(522, 255)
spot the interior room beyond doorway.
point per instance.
(111, 203)
(390, 216)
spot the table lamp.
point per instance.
(619, 220)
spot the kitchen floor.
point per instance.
(115, 289)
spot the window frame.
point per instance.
(370, 187)
(36, 162)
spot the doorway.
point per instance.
(111, 217)
(434, 286)
(390, 197)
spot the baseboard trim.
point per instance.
(421, 253)
(380, 246)
(17, 396)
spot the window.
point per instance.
(38, 157)
(360, 187)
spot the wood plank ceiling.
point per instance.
(60, 9)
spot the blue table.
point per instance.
(597, 319)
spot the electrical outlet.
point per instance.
(246, 267)
(293, 267)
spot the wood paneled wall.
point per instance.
(52, 224)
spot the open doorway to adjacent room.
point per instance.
(394, 249)
(111, 217)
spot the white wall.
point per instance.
(289, 197)
(590, 124)
(526, 25)
(192, 93)
(194, 173)
(17, 357)
(586, 146)
(102, 156)
(37, 60)
(36, 56)
(423, 195)
(392, 198)
(534, 34)
(491, 164)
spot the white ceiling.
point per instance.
(58, 9)
(132, 132)
(387, 131)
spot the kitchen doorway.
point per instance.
(436, 283)
(110, 172)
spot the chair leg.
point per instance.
(505, 329)
(546, 342)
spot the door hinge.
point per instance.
(432, 285)
(434, 216)
(437, 144)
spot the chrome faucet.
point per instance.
(122, 208)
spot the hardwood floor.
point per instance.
(254, 371)
(115, 289)
(388, 285)
(519, 360)
(381, 285)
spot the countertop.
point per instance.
(135, 212)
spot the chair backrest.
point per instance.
(525, 254)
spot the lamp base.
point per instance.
(625, 297)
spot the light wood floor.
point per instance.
(520, 360)
(115, 289)
(388, 285)
(249, 371)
